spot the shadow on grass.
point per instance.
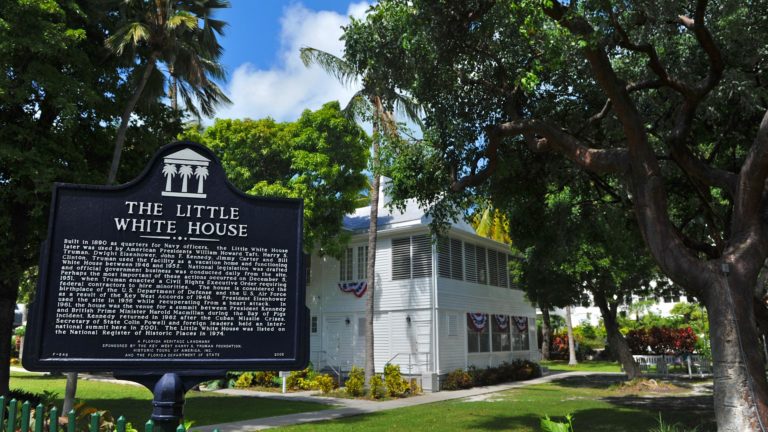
(595, 420)
(601, 382)
(205, 410)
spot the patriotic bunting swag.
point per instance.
(478, 321)
(502, 322)
(356, 288)
(521, 323)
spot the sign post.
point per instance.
(170, 280)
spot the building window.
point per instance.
(501, 339)
(313, 325)
(520, 336)
(450, 258)
(345, 265)
(362, 262)
(478, 333)
(411, 257)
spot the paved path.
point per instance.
(352, 407)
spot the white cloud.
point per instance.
(285, 90)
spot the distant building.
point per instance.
(440, 305)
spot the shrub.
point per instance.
(415, 387)
(244, 380)
(662, 340)
(396, 385)
(457, 380)
(47, 398)
(299, 380)
(325, 383)
(516, 370)
(265, 379)
(356, 381)
(377, 387)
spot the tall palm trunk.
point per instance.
(571, 348)
(370, 304)
(126, 117)
(545, 332)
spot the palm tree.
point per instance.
(181, 35)
(377, 102)
(185, 172)
(201, 173)
(169, 170)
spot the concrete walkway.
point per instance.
(352, 407)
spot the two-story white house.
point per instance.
(441, 304)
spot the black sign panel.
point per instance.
(177, 270)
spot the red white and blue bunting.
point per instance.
(477, 321)
(521, 323)
(502, 322)
(356, 288)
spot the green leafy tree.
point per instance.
(182, 35)
(320, 158)
(60, 94)
(665, 98)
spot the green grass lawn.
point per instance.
(590, 366)
(135, 403)
(596, 407)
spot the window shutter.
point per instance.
(470, 274)
(444, 257)
(401, 258)
(421, 248)
(482, 269)
(503, 270)
(493, 267)
(456, 260)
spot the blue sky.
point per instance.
(266, 76)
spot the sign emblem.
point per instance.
(184, 164)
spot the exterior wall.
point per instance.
(409, 311)
(396, 340)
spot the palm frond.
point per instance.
(358, 108)
(182, 19)
(335, 66)
(130, 35)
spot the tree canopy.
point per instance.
(664, 102)
(320, 158)
(60, 96)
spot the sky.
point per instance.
(266, 77)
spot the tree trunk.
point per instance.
(741, 391)
(69, 392)
(370, 304)
(616, 340)
(571, 346)
(7, 307)
(545, 332)
(126, 117)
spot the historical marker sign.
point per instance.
(175, 270)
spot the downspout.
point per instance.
(435, 324)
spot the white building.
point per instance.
(440, 306)
(662, 306)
